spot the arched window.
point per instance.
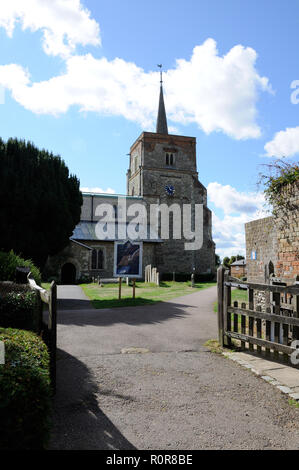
(169, 159)
(271, 268)
(94, 256)
(100, 259)
(97, 259)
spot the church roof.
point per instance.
(80, 244)
(87, 231)
(109, 195)
(161, 127)
(239, 262)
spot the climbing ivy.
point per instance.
(280, 181)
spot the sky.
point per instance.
(80, 79)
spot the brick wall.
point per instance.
(275, 240)
(287, 265)
(261, 242)
(238, 271)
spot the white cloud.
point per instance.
(229, 235)
(64, 23)
(284, 144)
(239, 208)
(97, 190)
(173, 130)
(217, 93)
(230, 200)
(14, 77)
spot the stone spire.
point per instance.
(161, 119)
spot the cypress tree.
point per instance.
(40, 201)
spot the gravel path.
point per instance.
(176, 396)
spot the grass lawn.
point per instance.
(238, 295)
(146, 293)
(46, 285)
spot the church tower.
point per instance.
(161, 127)
(163, 171)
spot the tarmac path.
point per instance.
(141, 378)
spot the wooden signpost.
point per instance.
(119, 288)
(127, 263)
(134, 280)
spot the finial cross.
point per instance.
(160, 67)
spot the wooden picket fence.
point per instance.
(48, 329)
(270, 332)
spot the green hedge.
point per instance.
(19, 308)
(25, 392)
(10, 261)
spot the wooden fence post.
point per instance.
(251, 319)
(277, 327)
(220, 286)
(227, 298)
(53, 332)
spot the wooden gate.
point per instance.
(49, 328)
(269, 331)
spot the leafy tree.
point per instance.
(279, 180)
(40, 202)
(235, 258)
(227, 261)
(217, 260)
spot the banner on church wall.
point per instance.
(128, 259)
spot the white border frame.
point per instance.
(132, 276)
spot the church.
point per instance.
(162, 171)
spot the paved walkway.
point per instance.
(72, 298)
(281, 375)
(112, 394)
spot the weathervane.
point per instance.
(160, 67)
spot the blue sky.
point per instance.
(79, 78)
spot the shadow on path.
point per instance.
(78, 422)
(138, 315)
(73, 304)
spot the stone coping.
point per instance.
(284, 377)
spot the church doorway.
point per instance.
(68, 274)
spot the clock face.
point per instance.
(169, 189)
